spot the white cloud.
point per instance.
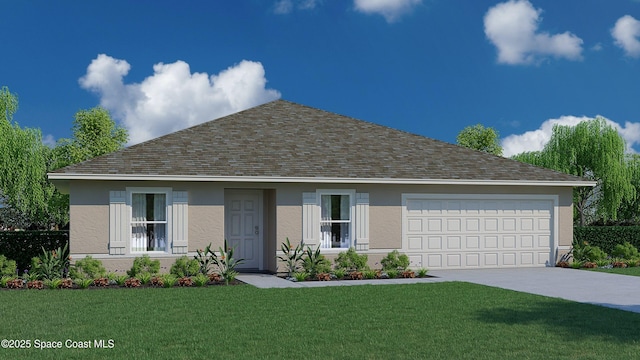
(535, 140)
(282, 7)
(512, 27)
(173, 98)
(626, 34)
(392, 10)
(49, 140)
(597, 47)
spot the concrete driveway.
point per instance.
(616, 291)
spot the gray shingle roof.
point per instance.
(284, 139)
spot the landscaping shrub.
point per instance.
(584, 252)
(315, 263)
(351, 261)
(7, 267)
(292, 257)
(225, 262)
(395, 261)
(625, 251)
(22, 246)
(183, 266)
(50, 265)
(88, 268)
(143, 266)
(607, 237)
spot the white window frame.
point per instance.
(168, 217)
(352, 213)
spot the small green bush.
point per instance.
(300, 276)
(625, 251)
(83, 283)
(392, 273)
(183, 266)
(351, 261)
(7, 267)
(144, 265)
(585, 252)
(369, 274)
(395, 261)
(170, 280)
(200, 280)
(87, 268)
(339, 273)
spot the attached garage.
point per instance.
(457, 231)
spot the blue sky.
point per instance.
(429, 67)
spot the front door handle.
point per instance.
(257, 230)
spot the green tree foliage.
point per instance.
(630, 207)
(94, 134)
(24, 161)
(30, 200)
(480, 138)
(595, 151)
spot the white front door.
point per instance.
(243, 226)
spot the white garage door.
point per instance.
(478, 231)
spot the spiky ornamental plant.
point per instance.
(292, 257)
(225, 262)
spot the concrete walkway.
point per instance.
(616, 291)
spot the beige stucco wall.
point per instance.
(89, 210)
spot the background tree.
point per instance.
(94, 134)
(28, 198)
(630, 207)
(480, 138)
(24, 161)
(593, 150)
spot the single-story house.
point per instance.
(283, 170)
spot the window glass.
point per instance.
(335, 223)
(148, 222)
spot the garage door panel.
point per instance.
(543, 258)
(472, 233)
(453, 225)
(543, 241)
(544, 225)
(453, 260)
(434, 225)
(415, 225)
(434, 261)
(415, 243)
(491, 224)
(490, 242)
(526, 241)
(472, 242)
(453, 243)
(472, 225)
(435, 243)
(472, 260)
(509, 242)
(491, 259)
(527, 259)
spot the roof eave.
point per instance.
(60, 178)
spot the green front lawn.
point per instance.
(439, 320)
(634, 271)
